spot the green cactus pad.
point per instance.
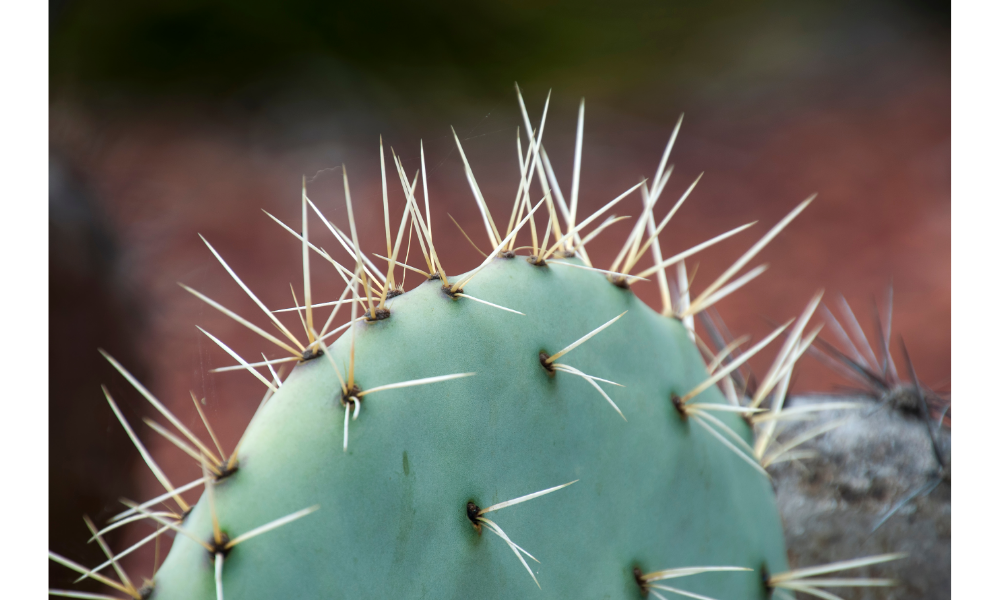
(655, 492)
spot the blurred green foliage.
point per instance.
(217, 46)
(214, 46)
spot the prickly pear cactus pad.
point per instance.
(529, 429)
(653, 492)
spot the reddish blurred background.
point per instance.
(170, 119)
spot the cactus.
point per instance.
(534, 404)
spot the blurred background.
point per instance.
(173, 118)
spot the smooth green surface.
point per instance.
(656, 491)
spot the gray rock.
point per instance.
(831, 503)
